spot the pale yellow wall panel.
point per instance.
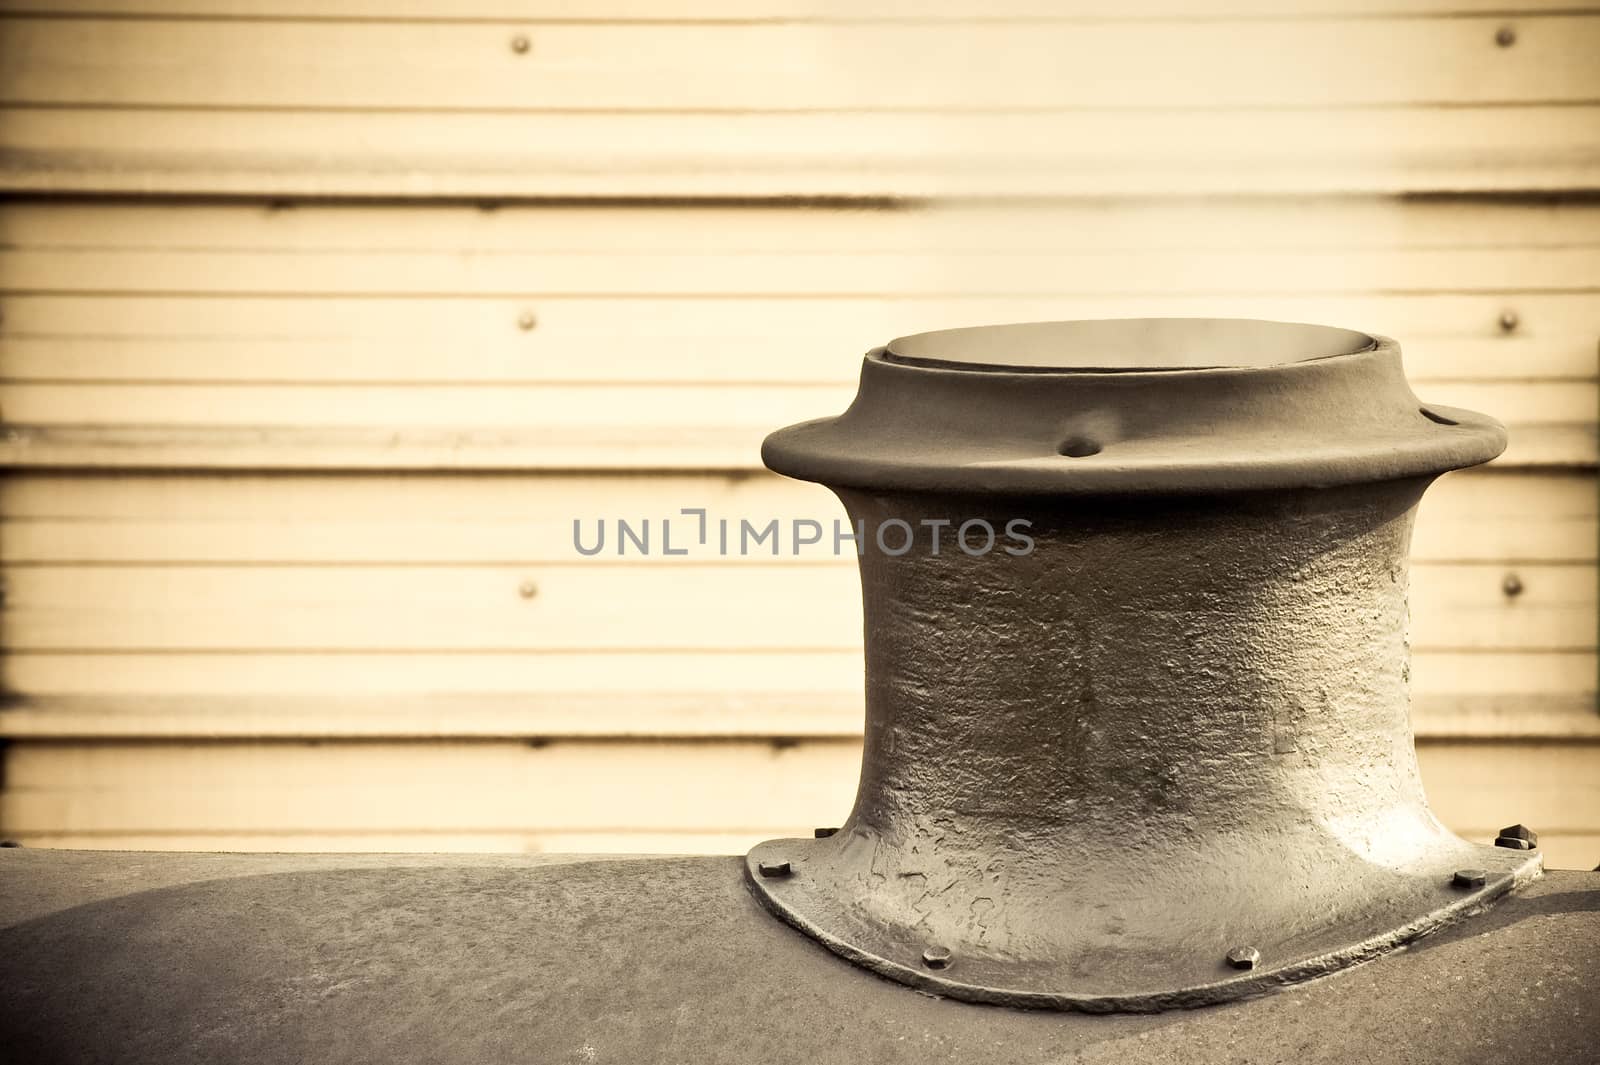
(663, 339)
(718, 676)
(472, 685)
(403, 846)
(757, 713)
(746, 67)
(832, 10)
(566, 446)
(474, 787)
(650, 411)
(1453, 675)
(618, 607)
(551, 427)
(187, 793)
(1479, 787)
(477, 519)
(515, 447)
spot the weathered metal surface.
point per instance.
(1210, 408)
(178, 959)
(1162, 757)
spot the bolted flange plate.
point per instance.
(1111, 938)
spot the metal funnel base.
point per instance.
(1087, 937)
(1160, 755)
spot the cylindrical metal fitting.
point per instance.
(1165, 712)
(1148, 750)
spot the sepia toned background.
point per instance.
(322, 321)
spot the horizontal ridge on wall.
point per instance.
(798, 100)
(142, 336)
(635, 715)
(663, 795)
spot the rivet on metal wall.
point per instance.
(527, 320)
(1244, 957)
(1509, 321)
(1511, 586)
(1469, 878)
(936, 957)
(527, 589)
(520, 44)
(1505, 37)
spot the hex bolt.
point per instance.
(1469, 878)
(937, 957)
(527, 320)
(1505, 36)
(527, 589)
(774, 869)
(1244, 957)
(9, 843)
(1509, 321)
(520, 44)
(1511, 586)
(823, 833)
(1517, 838)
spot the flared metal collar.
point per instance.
(1133, 406)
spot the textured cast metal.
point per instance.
(283, 959)
(1178, 728)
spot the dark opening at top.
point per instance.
(1125, 344)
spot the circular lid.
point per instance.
(1123, 345)
(1130, 406)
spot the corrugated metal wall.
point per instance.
(323, 321)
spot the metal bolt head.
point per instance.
(520, 44)
(1244, 957)
(1509, 321)
(1511, 586)
(527, 589)
(527, 320)
(823, 833)
(1469, 878)
(937, 957)
(9, 843)
(1505, 36)
(1511, 843)
(774, 869)
(1522, 832)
